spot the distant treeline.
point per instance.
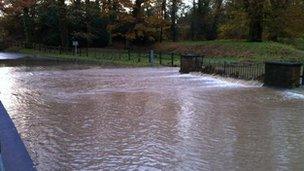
(99, 23)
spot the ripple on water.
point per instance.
(152, 119)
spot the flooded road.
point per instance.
(91, 118)
(6, 55)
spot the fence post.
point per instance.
(129, 55)
(138, 60)
(151, 57)
(225, 68)
(172, 57)
(160, 58)
(303, 75)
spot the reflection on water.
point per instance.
(149, 119)
(12, 55)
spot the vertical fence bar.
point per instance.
(172, 58)
(303, 75)
(138, 59)
(129, 55)
(225, 68)
(160, 58)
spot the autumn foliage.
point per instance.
(143, 22)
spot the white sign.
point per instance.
(75, 43)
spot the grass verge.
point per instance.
(122, 58)
(233, 50)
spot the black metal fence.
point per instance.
(240, 70)
(129, 56)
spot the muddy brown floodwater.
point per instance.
(93, 118)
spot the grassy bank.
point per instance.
(238, 50)
(215, 51)
(100, 57)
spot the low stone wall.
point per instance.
(284, 75)
(191, 63)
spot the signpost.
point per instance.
(151, 57)
(75, 44)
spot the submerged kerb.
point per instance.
(13, 152)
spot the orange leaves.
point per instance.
(16, 6)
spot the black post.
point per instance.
(129, 54)
(225, 68)
(172, 57)
(138, 60)
(160, 58)
(303, 75)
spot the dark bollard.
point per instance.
(282, 74)
(303, 76)
(190, 63)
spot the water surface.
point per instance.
(11, 55)
(91, 118)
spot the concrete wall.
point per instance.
(190, 63)
(284, 75)
(13, 152)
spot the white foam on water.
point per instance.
(217, 81)
(293, 95)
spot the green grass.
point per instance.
(115, 58)
(217, 51)
(239, 50)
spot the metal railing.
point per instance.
(100, 54)
(240, 70)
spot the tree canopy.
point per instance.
(100, 23)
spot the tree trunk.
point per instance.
(173, 21)
(62, 23)
(255, 11)
(214, 26)
(27, 27)
(255, 28)
(164, 16)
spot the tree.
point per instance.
(174, 8)
(255, 12)
(216, 14)
(62, 9)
